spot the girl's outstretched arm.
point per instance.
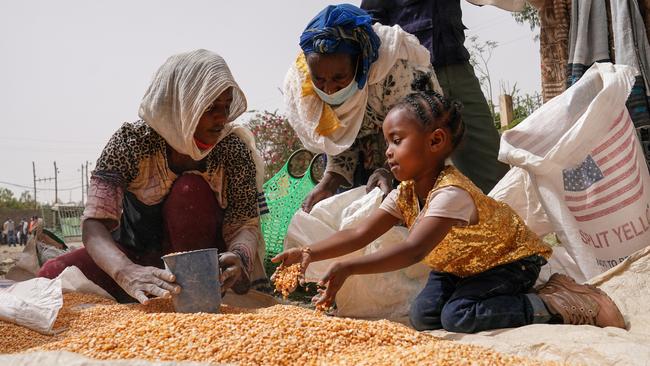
(420, 242)
(342, 242)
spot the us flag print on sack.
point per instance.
(605, 193)
(609, 179)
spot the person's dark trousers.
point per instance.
(476, 157)
(12, 238)
(492, 299)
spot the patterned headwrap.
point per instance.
(343, 29)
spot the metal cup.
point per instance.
(197, 273)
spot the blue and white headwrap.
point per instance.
(346, 29)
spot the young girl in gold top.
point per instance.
(484, 260)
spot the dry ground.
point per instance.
(8, 257)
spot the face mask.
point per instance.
(340, 96)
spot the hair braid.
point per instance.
(432, 108)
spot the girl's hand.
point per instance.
(333, 280)
(140, 281)
(293, 256)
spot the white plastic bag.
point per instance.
(35, 303)
(587, 168)
(383, 295)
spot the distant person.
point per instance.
(5, 232)
(11, 232)
(439, 27)
(24, 227)
(183, 178)
(33, 221)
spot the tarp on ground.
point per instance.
(627, 284)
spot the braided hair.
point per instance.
(434, 110)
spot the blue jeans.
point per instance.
(492, 299)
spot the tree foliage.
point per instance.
(480, 54)
(275, 139)
(529, 16)
(523, 104)
(8, 200)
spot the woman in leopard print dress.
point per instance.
(182, 178)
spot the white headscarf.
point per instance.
(304, 112)
(181, 90)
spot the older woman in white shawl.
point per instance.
(182, 178)
(343, 83)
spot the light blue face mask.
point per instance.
(340, 96)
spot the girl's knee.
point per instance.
(458, 319)
(418, 322)
(422, 318)
(52, 268)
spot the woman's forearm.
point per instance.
(333, 181)
(102, 248)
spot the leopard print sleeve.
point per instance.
(118, 163)
(241, 219)
(114, 169)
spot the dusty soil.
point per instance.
(8, 257)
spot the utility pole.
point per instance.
(87, 185)
(56, 186)
(34, 170)
(82, 184)
(42, 180)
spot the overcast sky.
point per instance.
(71, 71)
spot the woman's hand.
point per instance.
(381, 178)
(319, 193)
(326, 188)
(140, 281)
(293, 256)
(333, 280)
(232, 273)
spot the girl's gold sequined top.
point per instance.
(499, 237)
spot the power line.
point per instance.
(514, 40)
(31, 139)
(489, 24)
(40, 189)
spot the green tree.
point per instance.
(529, 16)
(26, 198)
(522, 105)
(7, 198)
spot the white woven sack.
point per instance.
(587, 168)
